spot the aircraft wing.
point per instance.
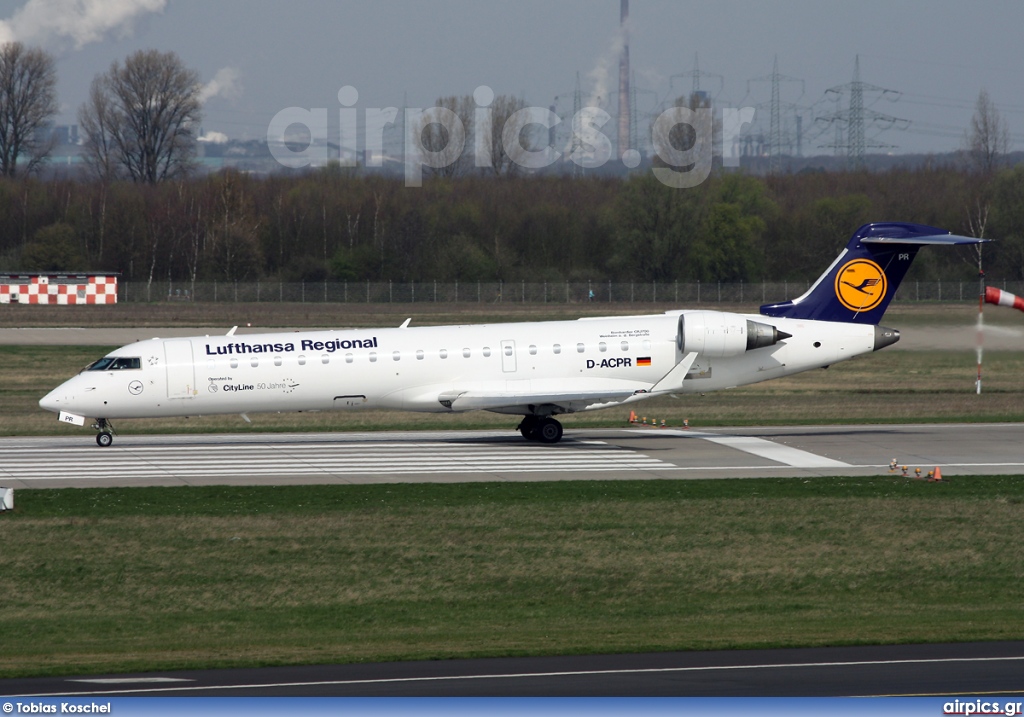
(568, 400)
(587, 392)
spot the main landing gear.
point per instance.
(545, 430)
(106, 432)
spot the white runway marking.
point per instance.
(305, 459)
(762, 448)
(131, 680)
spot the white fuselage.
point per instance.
(509, 368)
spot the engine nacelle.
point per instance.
(717, 334)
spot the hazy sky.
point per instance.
(272, 54)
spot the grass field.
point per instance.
(143, 579)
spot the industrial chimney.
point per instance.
(624, 114)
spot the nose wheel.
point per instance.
(106, 432)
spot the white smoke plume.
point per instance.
(79, 21)
(601, 75)
(226, 83)
(213, 138)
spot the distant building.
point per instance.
(50, 287)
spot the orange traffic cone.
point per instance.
(937, 476)
(632, 416)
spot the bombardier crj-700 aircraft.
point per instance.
(537, 370)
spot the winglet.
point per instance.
(405, 324)
(674, 378)
(232, 332)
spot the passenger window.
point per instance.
(302, 360)
(373, 357)
(254, 361)
(234, 362)
(580, 348)
(348, 358)
(624, 346)
(487, 351)
(397, 356)
(533, 350)
(325, 358)
(466, 353)
(557, 348)
(508, 350)
(443, 353)
(277, 360)
(419, 354)
(602, 347)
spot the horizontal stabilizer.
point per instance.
(929, 240)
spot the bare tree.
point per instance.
(506, 124)
(96, 118)
(445, 140)
(141, 118)
(988, 139)
(28, 101)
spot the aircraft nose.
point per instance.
(51, 401)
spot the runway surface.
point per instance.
(467, 456)
(961, 669)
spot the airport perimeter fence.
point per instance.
(521, 292)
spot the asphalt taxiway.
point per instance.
(470, 456)
(992, 668)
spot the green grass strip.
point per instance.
(164, 578)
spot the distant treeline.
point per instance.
(334, 224)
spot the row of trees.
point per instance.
(332, 224)
(139, 121)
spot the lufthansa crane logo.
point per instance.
(861, 285)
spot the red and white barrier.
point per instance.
(1003, 298)
(63, 290)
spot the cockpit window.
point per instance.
(116, 363)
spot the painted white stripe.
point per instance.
(567, 673)
(132, 680)
(793, 457)
(329, 460)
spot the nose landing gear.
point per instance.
(106, 432)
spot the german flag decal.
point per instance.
(643, 361)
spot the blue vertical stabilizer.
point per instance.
(864, 277)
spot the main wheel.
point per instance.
(104, 439)
(528, 427)
(549, 431)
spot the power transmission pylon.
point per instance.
(857, 116)
(696, 74)
(775, 113)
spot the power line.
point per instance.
(857, 116)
